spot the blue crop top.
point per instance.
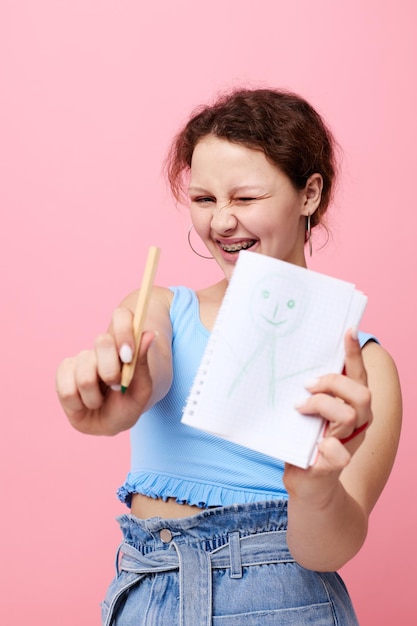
(171, 459)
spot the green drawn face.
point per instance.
(276, 304)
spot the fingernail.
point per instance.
(298, 404)
(115, 387)
(354, 332)
(309, 384)
(125, 353)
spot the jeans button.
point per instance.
(165, 535)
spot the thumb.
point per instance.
(354, 365)
(148, 337)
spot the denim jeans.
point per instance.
(222, 567)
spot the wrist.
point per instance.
(314, 493)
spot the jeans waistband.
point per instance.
(251, 534)
(211, 525)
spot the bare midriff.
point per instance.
(145, 507)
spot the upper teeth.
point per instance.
(235, 247)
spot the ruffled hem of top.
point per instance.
(190, 492)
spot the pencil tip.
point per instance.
(123, 389)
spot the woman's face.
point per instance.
(240, 200)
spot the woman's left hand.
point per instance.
(330, 502)
(344, 400)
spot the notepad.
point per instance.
(279, 325)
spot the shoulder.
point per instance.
(158, 312)
(160, 296)
(383, 379)
(378, 360)
(163, 295)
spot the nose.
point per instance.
(223, 218)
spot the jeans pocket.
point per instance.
(282, 594)
(317, 615)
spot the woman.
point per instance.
(218, 533)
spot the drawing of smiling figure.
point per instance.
(276, 305)
(276, 309)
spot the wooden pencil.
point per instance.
(140, 313)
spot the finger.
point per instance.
(332, 456)
(342, 417)
(107, 358)
(87, 380)
(66, 386)
(343, 388)
(354, 365)
(147, 339)
(122, 329)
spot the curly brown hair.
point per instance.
(283, 125)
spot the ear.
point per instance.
(312, 194)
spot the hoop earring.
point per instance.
(308, 234)
(193, 249)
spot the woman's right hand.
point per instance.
(88, 384)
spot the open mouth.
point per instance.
(236, 247)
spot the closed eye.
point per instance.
(203, 199)
(246, 199)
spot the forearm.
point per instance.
(324, 536)
(330, 502)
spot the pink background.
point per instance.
(91, 94)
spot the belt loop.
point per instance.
(195, 585)
(235, 557)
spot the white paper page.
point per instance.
(279, 325)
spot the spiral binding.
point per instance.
(202, 371)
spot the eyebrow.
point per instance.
(197, 190)
(238, 189)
